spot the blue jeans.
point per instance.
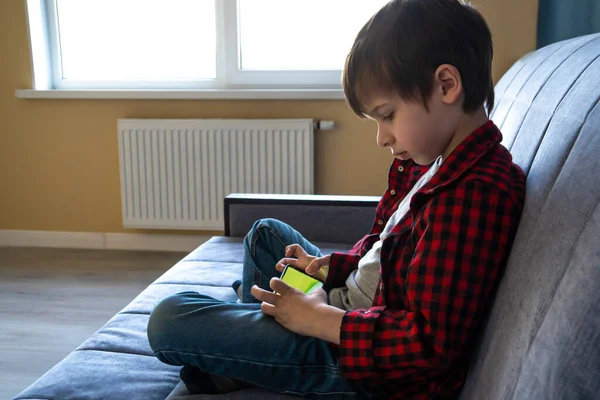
(238, 341)
(264, 246)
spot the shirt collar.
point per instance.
(465, 155)
(471, 149)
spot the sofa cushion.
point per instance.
(564, 359)
(98, 374)
(541, 338)
(117, 363)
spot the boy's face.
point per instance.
(412, 131)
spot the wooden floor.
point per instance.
(51, 300)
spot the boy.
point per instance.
(443, 230)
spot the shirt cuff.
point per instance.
(357, 333)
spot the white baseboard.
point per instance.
(105, 241)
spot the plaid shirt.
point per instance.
(439, 267)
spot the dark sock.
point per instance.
(236, 285)
(225, 384)
(197, 381)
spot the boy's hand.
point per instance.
(307, 315)
(302, 260)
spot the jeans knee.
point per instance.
(269, 223)
(161, 319)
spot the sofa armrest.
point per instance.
(319, 218)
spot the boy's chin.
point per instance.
(423, 160)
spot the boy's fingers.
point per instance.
(264, 296)
(280, 266)
(289, 250)
(280, 286)
(294, 250)
(268, 309)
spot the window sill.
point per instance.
(151, 94)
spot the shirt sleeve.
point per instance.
(340, 267)
(462, 238)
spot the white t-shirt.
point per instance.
(362, 283)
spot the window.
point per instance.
(194, 44)
(128, 40)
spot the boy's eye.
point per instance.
(388, 117)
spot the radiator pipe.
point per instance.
(319, 125)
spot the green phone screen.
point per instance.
(300, 280)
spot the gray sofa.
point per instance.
(541, 339)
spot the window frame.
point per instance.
(229, 75)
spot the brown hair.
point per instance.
(404, 43)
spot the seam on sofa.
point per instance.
(211, 261)
(189, 284)
(541, 88)
(207, 260)
(501, 124)
(532, 73)
(117, 352)
(133, 313)
(33, 398)
(555, 114)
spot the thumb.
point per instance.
(315, 265)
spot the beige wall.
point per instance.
(58, 158)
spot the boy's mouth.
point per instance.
(401, 155)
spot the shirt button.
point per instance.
(392, 192)
(401, 168)
(380, 222)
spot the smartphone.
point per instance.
(300, 280)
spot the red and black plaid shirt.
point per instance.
(439, 266)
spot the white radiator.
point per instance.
(175, 173)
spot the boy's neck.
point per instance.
(465, 127)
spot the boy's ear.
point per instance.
(448, 82)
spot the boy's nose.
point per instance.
(384, 138)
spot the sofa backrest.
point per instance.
(542, 336)
(319, 218)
